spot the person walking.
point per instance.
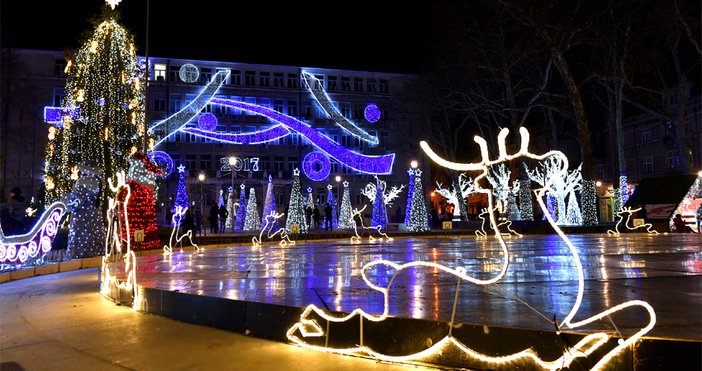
(398, 215)
(316, 217)
(698, 216)
(16, 212)
(223, 214)
(214, 219)
(328, 217)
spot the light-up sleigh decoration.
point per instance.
(597, 346)
(35, 243)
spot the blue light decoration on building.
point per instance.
(372, 113)
(284, 125)
(54, 115)
(163, 161)
(207, 121)
(316, 166)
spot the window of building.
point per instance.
(278, 79)
(60, 67)
(375, 134)
(345, 83)
(345, 109)
(383, 86)
(384, 139)
(205, 75)
(331, 83)
(294, 139)
(189, 138)
(159, 102)
(321, 196)
(278, 105)
(358, 84)
(190, 162)
(220, 110)
(371, 85)
(176, 159)
(346, 170)
(251, 100)
(264, 163)
(235, 77)
(59, 94)
(174, 74)
(334, 167)
(278, 163)
(250, 78)
(264, 78)
(358, 110)
(334, 135)
(235, 129)
(235, 111)
(320, 82)
(264, 102)
(645, 135)
(672, 159)
(319, 111)
(292, 80)
(174, 102)
(600, 171)
(159, 72)
(292, 108)
(206, 162)
(292, 163)
(647, 165)
(306, 109)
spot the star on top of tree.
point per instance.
(242, 186)
(113, 3)
(309, 189)
(181, 168)
(296, 172)
(329, 187)
(410, 172)
(346, 183)
(418, 172)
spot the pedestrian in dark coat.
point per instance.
(214, 219)
(328, 217)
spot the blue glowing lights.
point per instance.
(372, 113)
(316, 166)
(207, 121)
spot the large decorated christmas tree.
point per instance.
(103, 109)
(296, 208)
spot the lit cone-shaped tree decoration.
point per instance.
(419, 222)
(345, 221)
(296, 207)
(104, 108)
(241, 212)
(182, 194)
(252, 222)
(269, 205)
(229, 223)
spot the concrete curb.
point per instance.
(66, 266)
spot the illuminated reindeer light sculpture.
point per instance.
(308, 328)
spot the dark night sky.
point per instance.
(375, 36)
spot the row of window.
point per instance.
(672, 161)
(278, 79)
(307, 108)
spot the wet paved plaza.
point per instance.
(541, 280)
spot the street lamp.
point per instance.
(202, 210)
(413, 164)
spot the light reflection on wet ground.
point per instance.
(663, 270)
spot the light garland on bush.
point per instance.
(87, 232)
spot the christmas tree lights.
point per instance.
(418, 221)
(296, 207)
(241, 211)
(380, 212)
(229, 223)
(410, 194)
(269, 205)
(87, 231)
(106, 102)
(331, 201)
(252, 222)
(181, 200)
(345, 221)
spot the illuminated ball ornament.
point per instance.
(372, 113)
(207, 122)
(316, 166)
(163, 161)
(189, 73)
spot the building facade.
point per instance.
(175, 83)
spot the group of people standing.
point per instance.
(218, 217)
(313, 215)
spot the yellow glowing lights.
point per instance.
(308, 327)
(52, 133)
(68, 67)
(67, 122)
(107, 133)
(132, 150)
(49, 182)
(74, 173)
(93, 46)
(81, 95)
